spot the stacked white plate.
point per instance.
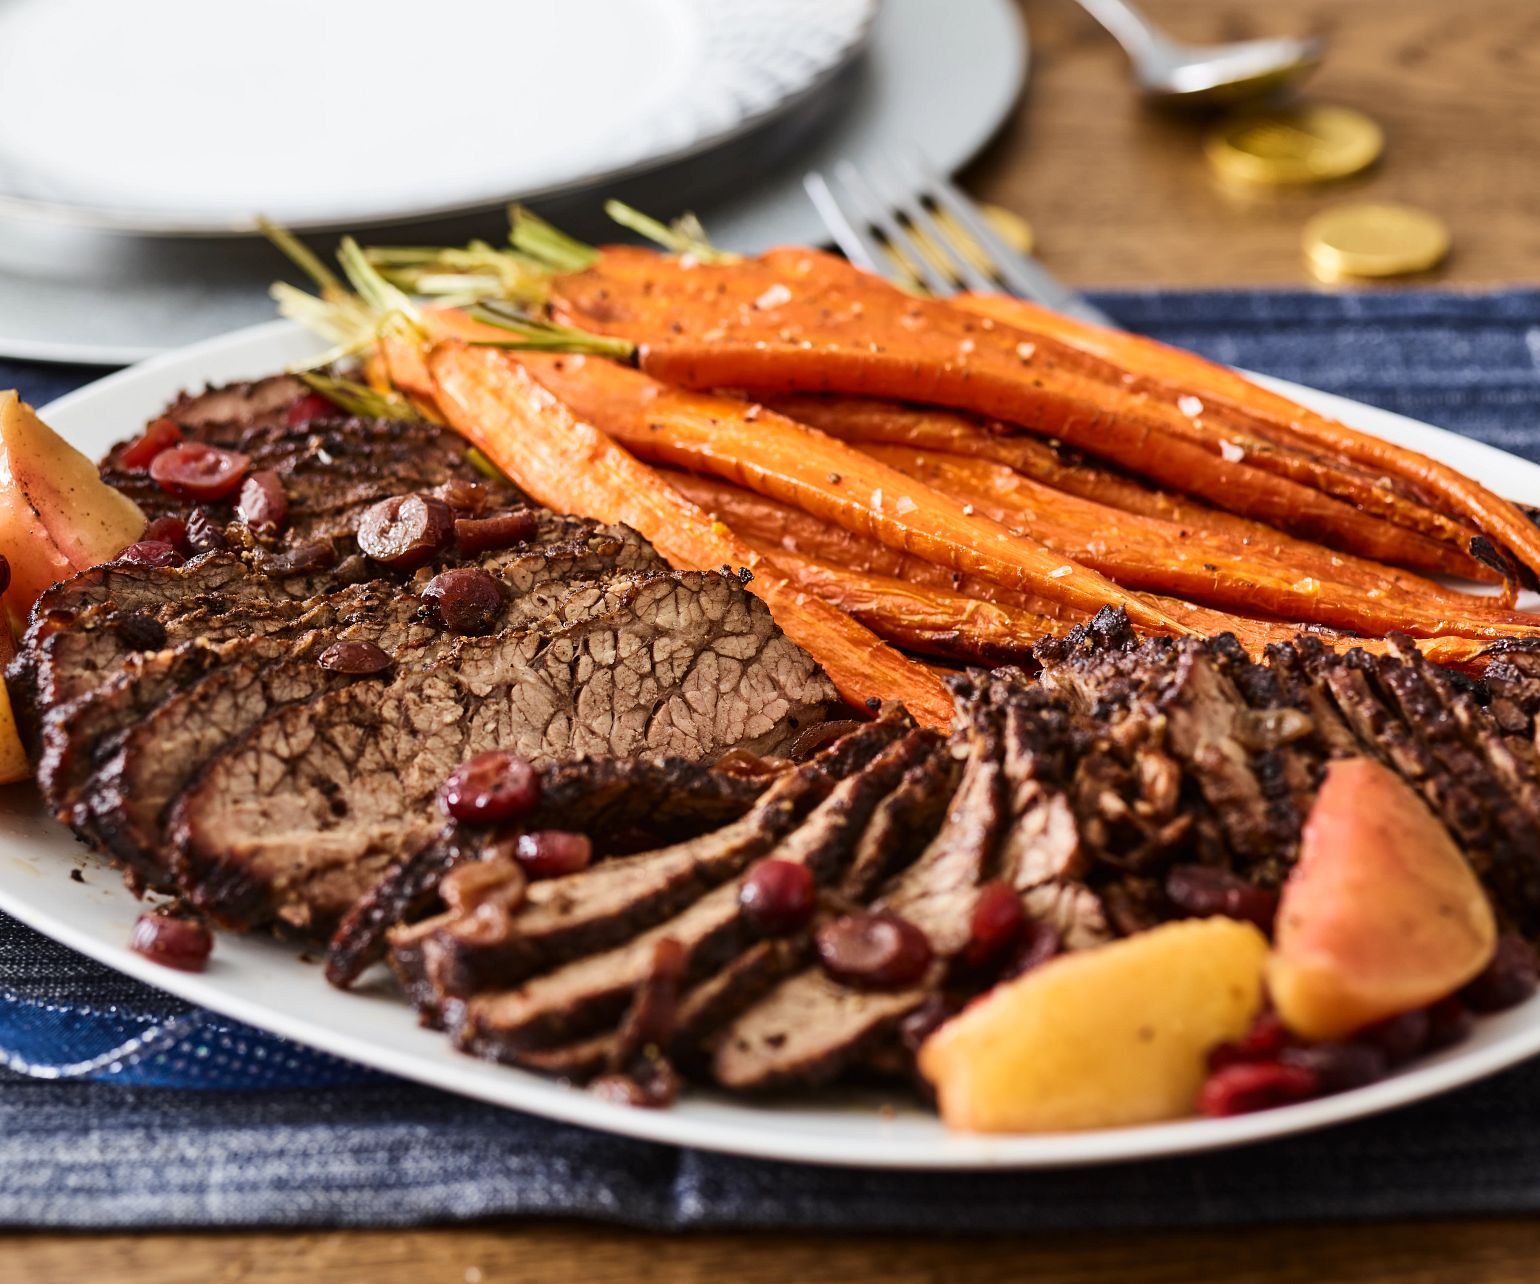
(154, 133)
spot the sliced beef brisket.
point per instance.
(136, 682)
(465, 950)
(298, 817)
(1082, 792)
(626, 804)
(186, 725)
(811, 1026)
(570, 1001)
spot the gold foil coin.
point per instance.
(1366, 240)
(1310, 144)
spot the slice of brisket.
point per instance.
(811, 1026)
(463, 951)
(126, 687)
(622, 802)
(575, 999)
(302, 814)
(1080, 791)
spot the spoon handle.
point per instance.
(1140, 38)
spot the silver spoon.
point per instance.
(1169, 70)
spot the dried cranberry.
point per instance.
(196, 470)
(161, 435)
(483, 534)
(168, 530)
(311, 406)
(405, 531)
(1338, 1066)
(777, 896)
(152, 552)
(1449, 1022)
(1267, 1037)
(1400, 1037)
(465, 600)
(263, 504)
(877, 950)
(925, 1020)
(550, 853)
(204, 534)
(1255, 1085)
(995, 926)
(182, 943)
(355, 657)
(1507, 980)
(490, 788)
(1204, 892)
(1039, 942)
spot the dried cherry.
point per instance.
(196, 470)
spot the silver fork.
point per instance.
(891, 203)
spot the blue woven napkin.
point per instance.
(121, 1106)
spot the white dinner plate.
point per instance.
(170, 117)
(264, 982)
(935, 76)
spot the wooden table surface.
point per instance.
(1123, 196)
(1117, 194)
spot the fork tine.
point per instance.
(850, 219)
(857, 244)
(880, 213)
(904, 197)
(1022, 275)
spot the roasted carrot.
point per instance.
(768, 524)
(1219, 424)
(866, 420)
(641, 295)
(1277, 576)
(1238, 398)
(776, 526)
(495, 403)
(1154, 561)
(804, 333)
(802, 466)
(956, 496)
(932, 621)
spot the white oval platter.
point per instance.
(265, 983)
